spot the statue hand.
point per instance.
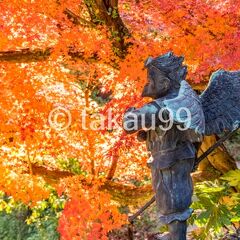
(142, 136)
(129, 121)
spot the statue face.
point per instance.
(157, 83)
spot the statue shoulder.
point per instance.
(185, 108)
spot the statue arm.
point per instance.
(143, 118)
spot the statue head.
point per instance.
(164, 73)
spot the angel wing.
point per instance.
(187, 99)
(221, 102)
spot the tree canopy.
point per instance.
(87, 57)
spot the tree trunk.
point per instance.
(105, 12)
(113, 167)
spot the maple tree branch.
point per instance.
(34, 55)
(105, 12)
(29, 163)
(77, 19)
(28, 55)
(25, 55)
(113, 167)
(115, 24)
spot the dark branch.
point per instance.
(141, 210)
(102, 11)
(25, 55)
(29, 55)
(105, 12)
(77, 20)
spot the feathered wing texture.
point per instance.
(221, 102)
(187, 99)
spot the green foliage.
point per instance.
(217, 207)
(138, 183)
(115, 13)
(12, 224)
(233, 178)
(17, 221)
(47, 209)
(100, 100)
(72, 165)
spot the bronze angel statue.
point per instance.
(173, 125)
